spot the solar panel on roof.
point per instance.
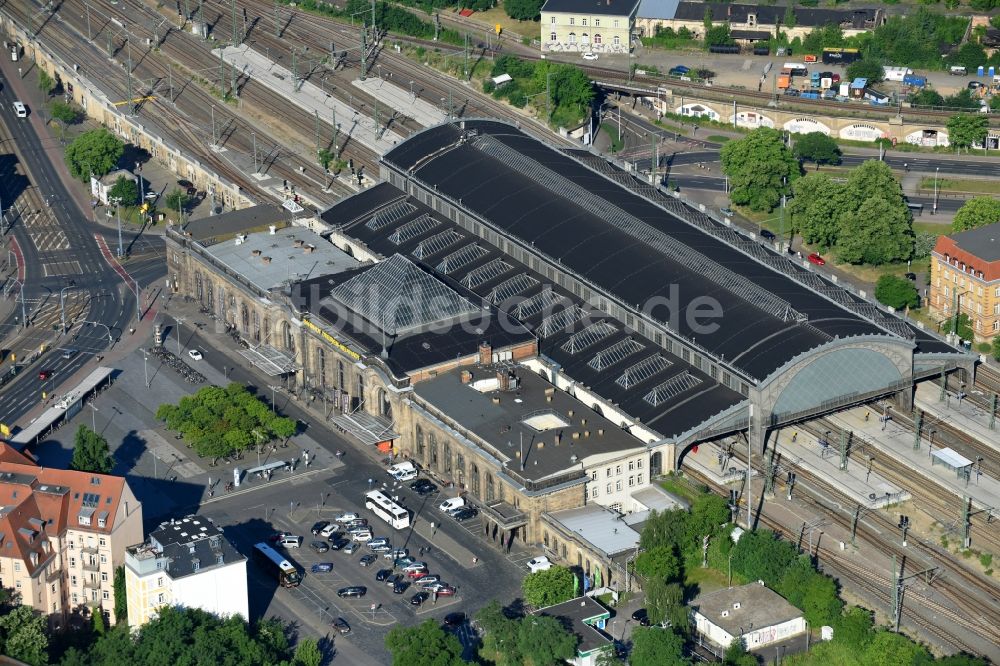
(390, 214)
(616, 353)
(558, 321)
(435, 244)
(512, 287)
(643, 370)
(486, 273)
(671, 388)
(412, 229)
(461, 257)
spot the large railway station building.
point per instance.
(541, 328)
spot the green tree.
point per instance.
(736, 655)
(98, 623)
(64, 112)
(45, 82)
(816, 208)
(889, 649)
(896, 292)
(660, 562)
(125, 191)
(652, 646)
(545, 588)
(963, 328)
(572, 92)
(91, 452)
(709, 514)
(926, 97)
(499, 635)
(95, 152)
(963, 99)
(854, 627)
(996, 348)
(426, 644)
(877, 233)
(866, 69)
(874, 178)
(976, 212)
(760, 169)
(817, 147)
(523, 10)
(307, 653)
(665, 529)
(544, 641)
(719, 35)
(788, 20)
(23, 636)
(759, 555)
(665, 603)
(177, 199)
(965, 130)
(121, 597)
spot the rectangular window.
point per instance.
(102, 540)
(583, 21)
(17, 565)
(631, 465)
(618, 485)
(638, 463)
(593, 475)
(593, 492)
(638, 479)
(572, 21)
(552, 20)
(597, 23)
(608, 489)
(106, 595)
(104, 577)
(614, 24)
(608, 473)
(618, 470)
(631, 481)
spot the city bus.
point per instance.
(271, 560)
(383, 507)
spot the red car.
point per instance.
(816, 259)
(44, 374)
(417, 573)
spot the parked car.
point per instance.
(769, 235)
(642, 617)
(340, 624)
(816, 259)
(465, 514)
(393, 579)
(428, 580)
(419, 598)
(910, 276)
(451, 503)
(443, 590)
(322, 567)
(361, 536)
(356, 524)
(540, 563)
(589, 56)
(352, 591)
(400, 586)
(290, 541)
(318, 527)
(381, 549)
(357, 529)
(382, 574)
(456, 619)
(338, 543)
(351, 548)
(423, 487)
(414, 566)
(346, 517)
(380, 541)
(396, 553)
(328, 530)
(404, 561)
(367, 560)
(728, 212)
(277, 536)
(320, 546)
(195, 354)
(403, 471)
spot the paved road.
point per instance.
(60, 254)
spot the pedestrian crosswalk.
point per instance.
(44, 231)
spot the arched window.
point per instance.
(256, 326)
(266, 333)
(287, 339)
(340, 374)
(361, 390)
(572, 38)
(211, 299)
(617, 41)
(584, 38)
(321, 366)
(655, 464)
(490, 490)
(223, 313)
(384, 406)
(199, 287)
(474, 474)
(420, 442)
(447, 456)
(434, 450)
(552, 36)
(597, 38)
(460, 466)
(245, 318)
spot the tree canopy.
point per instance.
(545, 588)
(91, 452)
(523, 10)
(816, 208)
(65, 112)
(866, 68)
(665, 604)
(222, 421)
(880, 231)
(652, 646)
(22, 636)
(565, 91)
(962, 327)
(96, 151)
(965, 130)
(976, 212)
(896, 292)
(426, 644)
(760, 168)
(125, 191)
(513, 641)
(817, 147)
(660, 562)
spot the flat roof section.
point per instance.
(623, 243)
(215, 228)
(268, 260)
(599, 526)
(499, 418)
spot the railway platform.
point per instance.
(796, 449)
(406, 101)
(714, 461)
(874, 438)
(963, 415)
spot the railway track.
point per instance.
(986, 457)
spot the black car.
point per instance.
(340, 624)
(641, 616)
(338, 544)
(910, 276)
(454, 619)
(352, 591)
(400, 586)
(423, 487)
(367, 560)
(419, 598)
(318, 527)
(319, 546)
(357, 522)
(769, 235)
(393, 579)
(465, 514)
(383, 574)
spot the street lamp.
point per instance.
(936, 170)
(145, 372)
(62, 306)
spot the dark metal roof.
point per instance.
(541, 305)
(775, 14)
(751, 35)
(244, 220)
(591, 7)
(982, 242)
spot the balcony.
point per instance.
(90, 565)
(94, 584)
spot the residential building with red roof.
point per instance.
(965, 273)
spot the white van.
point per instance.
(290, 541)
(957, 70)
(452, 504)
(20, 110)
(404, 471)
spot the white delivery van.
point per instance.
(290, 541)
(452, 504)
(403, 471)
(20, 110)
(957, 70)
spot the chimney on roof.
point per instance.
(271, 229)
(298, 243)
(465, 376)
(600, 431)
(558, 438)
(485, 353)
(309, 249)
(503, 380)
(256, 253)
(495, 399)
(267, 260)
